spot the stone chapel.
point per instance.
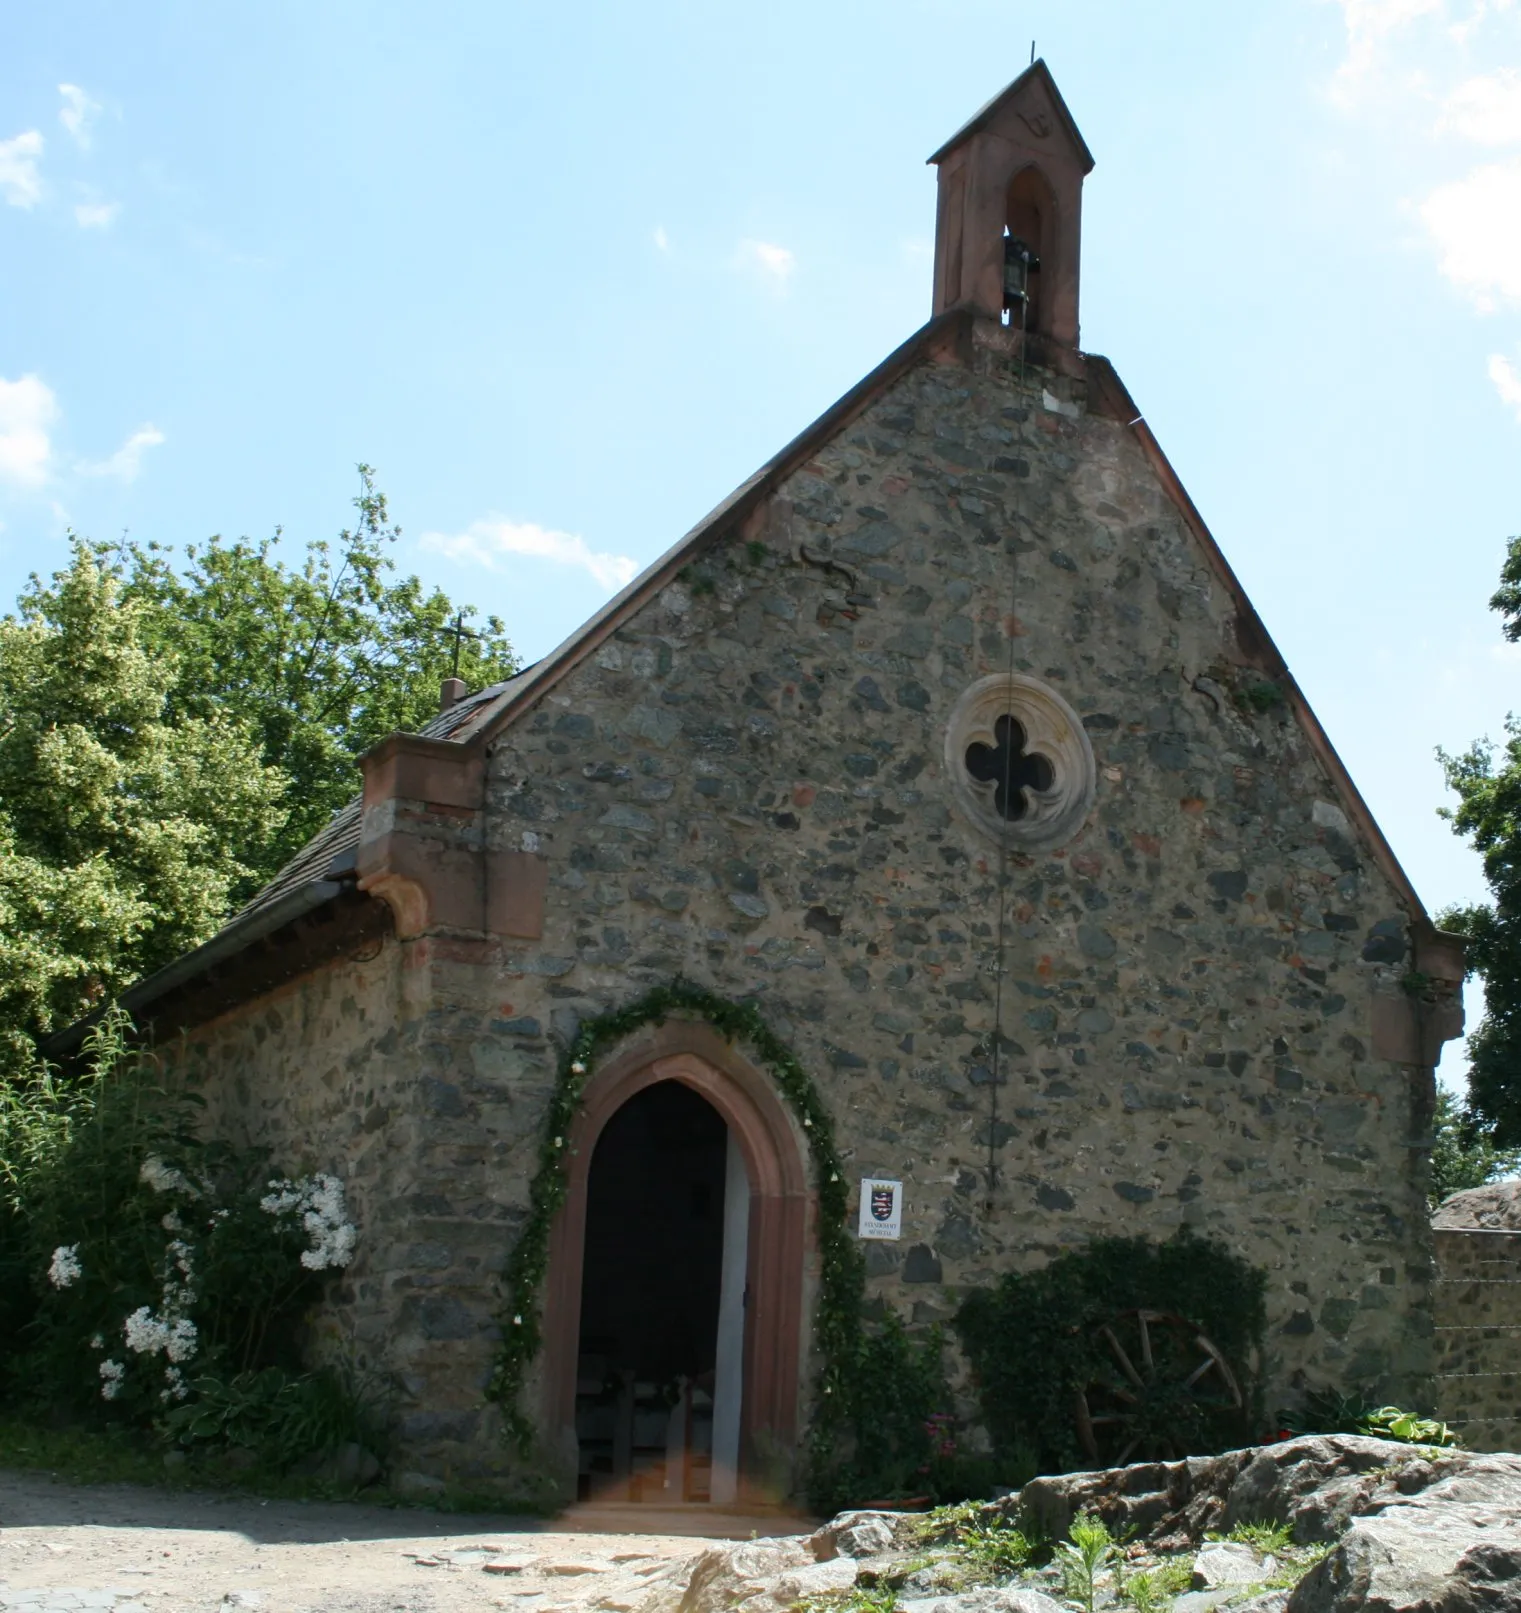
(950, 743)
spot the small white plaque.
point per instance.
(881, 1208)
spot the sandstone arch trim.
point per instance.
(779, 1236)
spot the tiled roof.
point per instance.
(1037, 69)
(329, 854)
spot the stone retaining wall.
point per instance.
(1478, 1336)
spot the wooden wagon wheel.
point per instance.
(1161, 1377)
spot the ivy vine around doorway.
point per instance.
(838, 1327)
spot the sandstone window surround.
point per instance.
(1019, 761)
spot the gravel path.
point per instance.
(122, 1549)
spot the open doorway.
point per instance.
(658, 1376)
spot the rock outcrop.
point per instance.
(1410, 1528)
(1359, 1524)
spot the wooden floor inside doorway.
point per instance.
(696, 1518)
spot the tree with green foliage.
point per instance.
(320, 660)
(1488, 785)
(1462, 1155)
(124, 827)
(174, 728)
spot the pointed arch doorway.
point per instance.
(674, 1301)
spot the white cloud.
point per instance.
(1486, 110)
(1480, 14)
(20, 182)
(1476, 222)
(96, 215)
(77, 113)
(27, 409)
(1507, 382)
(1370, 24)
(486, 542)
(661, 239)
(1370, 21)
(774, 262)
(127, 461)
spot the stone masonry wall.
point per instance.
(745, 785)
(1478, 1336)
(350, 1069)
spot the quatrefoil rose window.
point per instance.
(1019, 762)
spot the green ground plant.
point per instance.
(1407, 1428)
(1268, 1539)
(1293, 1564)
(858, 1599)
(1084, 1558)
(1329, 1411)
(984, 1544)
(1153, 1589)
(287, 1417)
(1275, 1541)
(994, 1550)
(117, 1454)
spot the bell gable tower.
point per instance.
(1008, 223)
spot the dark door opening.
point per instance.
(652, 1275)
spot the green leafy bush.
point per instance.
(897, 1439)
(155, 1272)
(894, 1418)
(1033, 1340)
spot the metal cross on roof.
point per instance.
(460, 633)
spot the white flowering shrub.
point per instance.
(161, 1268)
(64, 1270)
(147, 1334)
(318, 1201)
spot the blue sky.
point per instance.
(568, 273)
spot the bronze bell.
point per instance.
(1018, 261)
